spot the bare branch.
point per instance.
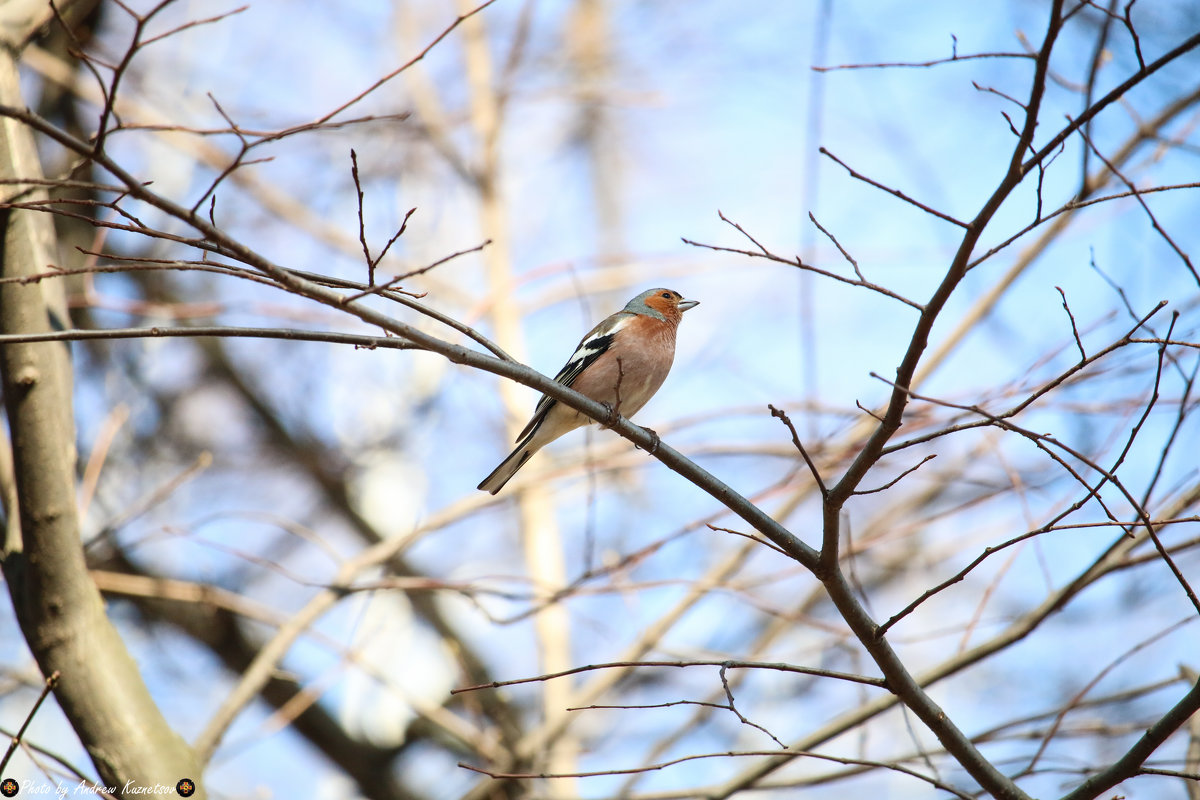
(1113, 96)
(899, 477)
(895, 192)
(391, 283)
(1074, 330)
(726, 664)
(762, 252)
(955, 57)
(1130, 763)
(1187, 261)
(47, 687)
(742, 717)
(812, 468)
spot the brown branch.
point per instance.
(842, 250)
(812, 468)
(362, 226)
(109, 92)
(840, 591)
(894, 192)
(1074, 330)
(57, 606)
(1113, 96)
(1137, 195)
(47, 686)
(732, 706)
(1108, 475)
(923, 64)
(459, 20)
(762, 252)
(195, 23)
(1049, 386)
(874, 446)
(202, 331)
(497, 775)
(391, 283)
(898, 478)
(751, 537)
(1158, 545)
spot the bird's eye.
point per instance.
(665, 295)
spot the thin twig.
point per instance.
(763, 252)
(955, 57)
(894, 766)
(390, 284)
(742, 717)
(777, 667)
(1166, 237)
(812, 468)
(1074, 329)
(894, 192)
(838, 245)
(744, 535)
(201, 331)
(899, 477)
(48, 687)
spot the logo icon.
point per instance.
(9, 787)
(186, 787)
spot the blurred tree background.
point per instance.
(276, 499)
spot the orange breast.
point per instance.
(634, 368)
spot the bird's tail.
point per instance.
(508, 467)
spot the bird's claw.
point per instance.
(655, 441)
(613, 415)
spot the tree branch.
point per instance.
(57, 605)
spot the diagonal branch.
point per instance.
(1130, 764)
(894, 192)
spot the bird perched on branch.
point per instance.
(621, 363)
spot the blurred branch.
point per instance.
(458, 20)
(728, 754)
(1131, 762)
(215, 331)
(58, 607)
(209, 615)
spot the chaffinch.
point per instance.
(621, 363)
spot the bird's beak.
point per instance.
(684, 305)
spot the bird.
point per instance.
(621, 363)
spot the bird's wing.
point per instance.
(590, 348)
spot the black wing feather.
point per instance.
(591, 348)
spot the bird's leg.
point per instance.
(614, 408)
(617, 388)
